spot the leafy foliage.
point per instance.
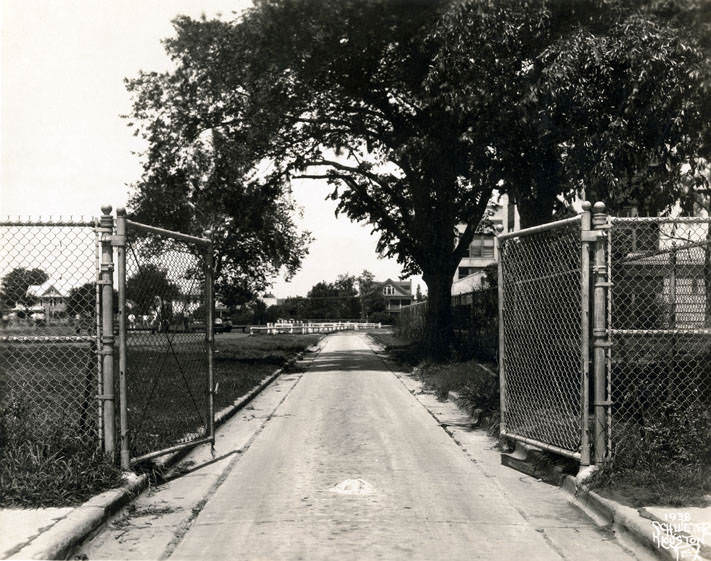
(15, 285)
(198, 179)
(602, 100)
(414, 113)
(150, 290)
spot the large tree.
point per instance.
(199, 180)
(415, 111)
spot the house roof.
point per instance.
(47, 288)
(402, 288)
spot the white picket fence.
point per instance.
(302, 328)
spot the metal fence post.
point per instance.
(210, 334)
(502, 376)
(585, 227)
(106, 282)
(600, 340)
(120, 243)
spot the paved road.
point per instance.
(351, 466)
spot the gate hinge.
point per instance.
(118, 241)
(104, 281)
(603, 284)
(105, 397)
(603, 344)
(607, 403)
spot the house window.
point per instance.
(482, 246)
(464, 271)
(388, 290)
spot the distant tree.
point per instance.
(15, 285)
(371, 295)
(82, 300)
(334, 300)
(150, 290)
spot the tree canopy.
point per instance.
(15, 284)
(414, 112)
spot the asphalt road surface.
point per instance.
(350, 465)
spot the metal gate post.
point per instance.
(585, 226)
(502, 374)
(210, 308)
(600, 340)
(106, 281)
(120, 243)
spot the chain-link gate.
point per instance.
(50, 370)
(71, 321)
(543, 331)
(659, 327)
(166, 338)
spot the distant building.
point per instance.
(269, 299)
(397, 294)
(482, 249)
(50, 301)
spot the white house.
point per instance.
(50, 301)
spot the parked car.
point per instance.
(218, 326)
(222, 325)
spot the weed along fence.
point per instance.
(103, 320)
(605, 332)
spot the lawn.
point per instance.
(167, 381)
(48, 417)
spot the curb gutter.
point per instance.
(635, 522)
(60, 540)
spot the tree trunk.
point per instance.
(438, 325)
(533, 212)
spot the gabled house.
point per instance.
(397, 294)
(49, 300)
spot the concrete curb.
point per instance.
(622, 518)
(59, 541)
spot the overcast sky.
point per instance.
(64, 150)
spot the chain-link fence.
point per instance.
(79, 335)
(50, 373)
(476, 323)
(168, 311)
(659, 323)
(543, 397)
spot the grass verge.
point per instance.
(49, 458)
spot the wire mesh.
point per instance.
(542, 333)
(660, 329)
(49, 369)
(166, 348)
